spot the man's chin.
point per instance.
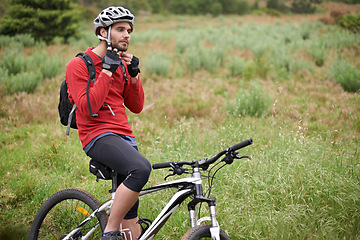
(122, 48)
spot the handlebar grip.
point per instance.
(161, 165)
(242, 144)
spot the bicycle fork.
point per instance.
(215, 228)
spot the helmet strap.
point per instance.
(108, 37)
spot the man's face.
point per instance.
(120, 35)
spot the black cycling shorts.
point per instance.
(133, 168)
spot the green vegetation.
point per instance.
(351, 22)
(25, 73)
(44, 19)
(346, 74)
(252, 101)
(292, 87)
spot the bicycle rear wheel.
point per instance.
(202, 232)
(63, 212)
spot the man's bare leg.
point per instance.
(133, 226)
(124, 199)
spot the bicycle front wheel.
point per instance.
(63, 212)
(202, 232)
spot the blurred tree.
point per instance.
(3, 6)
(185, 7)
(157, 6)
(215, 7)
(276, 4)
(133, 5)
(302, 6)
(42, 19)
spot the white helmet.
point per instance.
(112, 15)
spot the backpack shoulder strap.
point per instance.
(89, 64)
(91, 68)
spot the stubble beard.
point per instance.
(123, 47)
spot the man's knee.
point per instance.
(144, 171)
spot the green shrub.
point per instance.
(339, 39)
(52, 67)
(242, 7)
(216, 9)
(277, 5)
(5, 40)
(250, 102)
(158, 63)
(22, 82)
(236, 66)
(26, 73)
(156, 6)
(83, 40)
(212, 59)
(298, 64)
(351, 22)
(25, 39)
(302, 6)
(346, 74)
(280, 59)
(318, 51)
(185, 39)
(272, 12)
(184, 7)
(192, 59)
(13, 60)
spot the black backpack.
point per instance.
(65, 108)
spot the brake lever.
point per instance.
(237, 156)
(176, 171)
(170, 174)
(229, 159)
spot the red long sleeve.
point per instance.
(114, 92)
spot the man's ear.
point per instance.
(103, 32)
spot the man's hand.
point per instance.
(132, 63)
(111, 61)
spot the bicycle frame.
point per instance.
(187, 186)
(106, 206)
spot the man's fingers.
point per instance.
(127, 58)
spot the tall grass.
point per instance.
(318, 51)
(22, 82)
(252, 101)
(158, 63)
(303, 179)
(13, 60)
(26, 73)
(236, 66)
(346, 74)
(192, 59)
(23, 39)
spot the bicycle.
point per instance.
(76, 214)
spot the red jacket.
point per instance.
(113, 91)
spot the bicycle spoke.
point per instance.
(64, 217)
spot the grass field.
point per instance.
(209, 83)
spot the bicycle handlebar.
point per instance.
(242, 144)
(205, 161)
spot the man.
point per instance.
(107, 136)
